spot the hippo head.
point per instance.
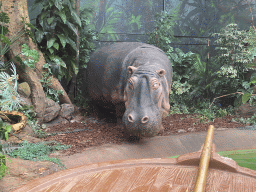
(146, 97)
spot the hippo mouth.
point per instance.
(141, 125)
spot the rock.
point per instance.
(221, 129)
(191, 129)
(58, 120)
(24, 89)
(52, 110)
(67, 110)
(22, 137)
(245, 110)
(181, 131)
(25, 100)
(28, 130)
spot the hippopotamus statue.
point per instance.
(135, 79)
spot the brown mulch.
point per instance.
(93, 132)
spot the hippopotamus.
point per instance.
(134, 79)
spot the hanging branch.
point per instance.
(225, 96)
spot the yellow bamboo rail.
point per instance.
(204, 162)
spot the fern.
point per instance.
(8, 91)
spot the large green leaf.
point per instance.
(63, 40)
(50, 20)
(76, 17)
(56, 46)
(50, 42)
(39, 36)
(72, 43)
(72, 27)
(74, 67)
(253, 78)
(58, 60)
(62, 16)
(58, 4)
(43, 15)
(246, 97)
(51, 50)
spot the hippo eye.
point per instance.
(155, 83)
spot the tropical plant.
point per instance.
(45, 81)
(190, 79)
(4, 130)
(235, 59)
(87, 37)
(106, 22)
(56, 32)
(8, 90)
(135, 23)
(3, 168)
(163, 34)
(31, 56)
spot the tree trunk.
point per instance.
(16, 10)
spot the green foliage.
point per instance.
(107, 23)
(38, 151)
(87, 37)
(4, 130)
(31, 56)
(56, 33)
(45, 81)
(249, 120)
(190, 78)
(38, 129)
(163, 34)
(3, 167)
(200, 107)
(233, 49)
(235, 59)
(8, 91)
(135, 23)
(28, 111)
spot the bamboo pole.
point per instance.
(204, 162)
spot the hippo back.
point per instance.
(107, 69)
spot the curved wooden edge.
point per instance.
(192, 159)
(97, 167)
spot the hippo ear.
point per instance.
(131, 69)
(161, 72)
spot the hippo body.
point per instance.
(135, 79)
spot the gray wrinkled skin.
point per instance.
(137, 76)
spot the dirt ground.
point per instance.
(84, 132)
(91, 131)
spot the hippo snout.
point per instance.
(143, 123)
(144, 119)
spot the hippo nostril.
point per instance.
(130, 119)
(144, 119)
